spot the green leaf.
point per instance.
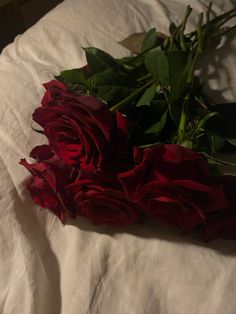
(139, 73)
(150, 40)
(178, 65)
(147, 96)
(157, 64)
(158, 107)
(111, 86)
(99, 60)
(157, 127)
(133, 61)
(133, 42)
(73, 77)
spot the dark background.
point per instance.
(18, 15)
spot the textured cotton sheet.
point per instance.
(47, 268)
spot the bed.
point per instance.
(49, 268)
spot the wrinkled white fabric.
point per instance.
(47, 268)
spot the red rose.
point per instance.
(53, 91)
(80, 129)
(171, 184)
(100, 197)
(49, 177)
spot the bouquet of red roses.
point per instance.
(136, 137)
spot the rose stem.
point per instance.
(125, 101)
(183, 117)
(183, 25)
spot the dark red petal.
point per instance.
(53, 84)
(131, 180)
(99, 113)
(138, 155)
(173, 212)
(37, 168)
(122, 123)
(175, 153)
(51, 88)
(43, 195)
(44, 115)
(41, 153)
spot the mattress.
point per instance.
(48, 268)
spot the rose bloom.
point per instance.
(69, 191)
(100, 197)
(50, 174)
(81, 130)
(171, 184)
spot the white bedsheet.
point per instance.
(46, 268)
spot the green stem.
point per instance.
(227, 19)
(226, 31)
(193, 66)
(223, 17)
(216, 22)
(183, 120)
(128, 99)
(182, 28)
(208, 12)
(198, 51)
(144, 77)
(168, 103)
